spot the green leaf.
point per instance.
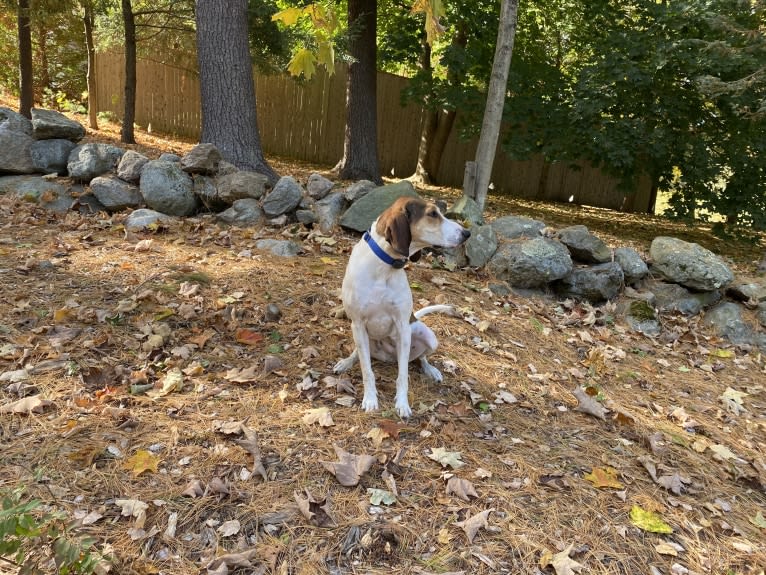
(378, 496)
(326, 56)
(648, 521)
(302, 63)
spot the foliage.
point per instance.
(318, 26)
(32, 535)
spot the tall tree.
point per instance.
(88, 10)
(26, 82)
(229, 118)
(129, 114)
(493, 112)
(360, 143)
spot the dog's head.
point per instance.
(411, 224)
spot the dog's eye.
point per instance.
(433, 214)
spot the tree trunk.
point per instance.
(126, 135)
(91, 74)
(360, 144)
(493, 112)
(227, 89)
(26, 81)
(44, 70)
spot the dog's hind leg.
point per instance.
(424, 343)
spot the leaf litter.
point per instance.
(108, 321)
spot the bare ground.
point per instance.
(94, 313)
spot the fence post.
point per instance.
(469, 179)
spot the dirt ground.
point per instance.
(155, 373)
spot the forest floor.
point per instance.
(154, 401)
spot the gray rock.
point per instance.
(87, 204)
(284, 198)
(15, 153)
(130, 166)
(358, 190)
(170, 157)
(201, 159)
(50, 125)
(481, 246)
(328, 211)
(676, 298)
(365, 210)
(530, 263)
(243, 213)
(633, 266)
(241, 184)
(584, 246)
(748, 292)
(761, 314)
(689, 264)
(281, 248)
(12, 121)
(454, 257)
(168, 189)
(306, 217)
(593, 283)
(641, 317)
(90, 160)
(466, 210)
(512, 227)
(36, 190)
(205, 190)
(115, 194)
(225, 168)
(51, 156)
(726, 320)
(318, 186)
(144, 218)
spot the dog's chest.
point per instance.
(378, 302)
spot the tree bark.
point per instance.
(127, 135)
(227, 89)
(26, 81)
(91, 74)
(360, 143)
(493, 112)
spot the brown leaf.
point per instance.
(586, 404)
(247, 375)
(563, 564)
(194, 489)
(604, 477)
(317, 512)
(248, 336)
(250, 444)
(233, 560)
(472, 524)
(463, 488)
(350, 468)
(320, 415)
(675, 483)
(26, 405)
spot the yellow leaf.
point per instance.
(302, 63)
(141, 461)
(326, 56)
(648, 521)
(433, 10)
(604, 477)
(329, 261)
(62, 315)
(288, 16)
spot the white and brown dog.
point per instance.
(378, 300)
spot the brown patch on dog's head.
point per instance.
(394, 224)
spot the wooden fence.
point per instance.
(306, 121)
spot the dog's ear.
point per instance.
(394, 225)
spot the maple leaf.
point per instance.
(350, 468)
(472, 524)
(141, 461)
(602, 477)
(563, 564)
(173, 381)
(248, 336)
(732, 399)
(446, 458)
(27, 405)
(320, 415)
(463, 488)
(246, 375)
(316, 511)
(378, 496)
(586, 404)
(648, 521)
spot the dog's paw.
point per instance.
(343, 365)
(403, 408)
(370, 403)
(432, 373)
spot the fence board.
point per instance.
(306, 121)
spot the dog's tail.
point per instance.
(445, 309)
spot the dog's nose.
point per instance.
(466, 234)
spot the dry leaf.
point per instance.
(472, 524)
(248, 336)
(141, 461)
(586, 404)
(194, 489)
(320, 415)
(463, 488)
(350, 468)
(229, 528)
(133, 508)
(675, 483)
(604, 477)
(250, 444)
(446, 458)
(231, 560)
(563, 564)
(246, 375)
(27, 405)
(317, 512)
(173, 381)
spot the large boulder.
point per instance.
(11, 121)
(675, 298)
(36, 190)
(366, 210)
(201, 159)
(328, 211)
(593, 283)
(633, 266)
(318, 186)
(205, 190)
(466, 210)
(358, 190)
(481, 246)
(512, 227)
(689, 264)
(144, 218)
(530, 263)
(52, 125)
(281, 248)
(130, 166)
(246, 212)
(90, 160)
(239, 185)
(726, 320)
(168, 189)
(115, 194)
(284, 198)
(15, 153)
(51, 156)
(584, 246)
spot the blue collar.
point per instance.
(378, 251)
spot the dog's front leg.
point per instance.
(403, 360)
(362, 342)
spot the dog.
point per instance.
(378, 301)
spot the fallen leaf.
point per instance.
(250, 444)
(586, 404)
(648, 521)
(239, 375)
(675, 483)
(141, 461)
(721, 452)
(463, 488)
(320, 415)
(732, 399)
(563, 564)
(231, 560)
(173, 381)
(666, 549)
(229, 528)
(350, 468)
(472, 524)
(377, 435)
(446, 458)
(758, 520)
(378, 496)
(317, 512)
(27, 405)
(133, 508)
(602, 477)
(194, 489)
(248, 336)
